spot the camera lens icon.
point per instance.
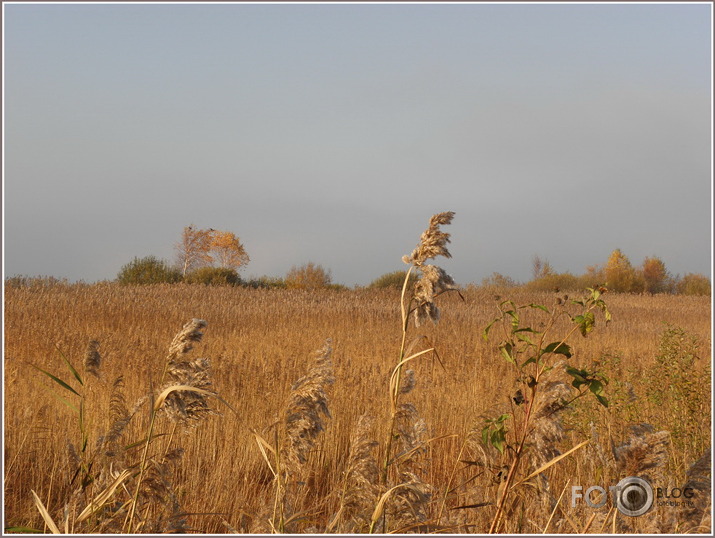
(634, 496)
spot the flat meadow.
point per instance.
(313, 437)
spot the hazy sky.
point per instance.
(330, 133)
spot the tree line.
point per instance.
(215, 257)
(617, 274)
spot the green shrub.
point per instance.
(265, 282)
(213, 276)
(148, 270)
(393, 280)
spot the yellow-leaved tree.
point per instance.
(620, 274)
(227, 250)
(655, 276)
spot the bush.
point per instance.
(396, 279)
(694, 284)
(148, 270)
(265, 282)
(213, 276)
(308, 276)
(553, 282)
(497, 280)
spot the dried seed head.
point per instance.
(307, 402)
(432, 282)
(92, 359)
(184, 341)
(184, 406)
(432, 242)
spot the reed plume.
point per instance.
(433, 280)
(306, 407)
(361, 482)
(92, 358)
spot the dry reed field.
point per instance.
(283, 430)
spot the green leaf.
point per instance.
(485, 333)
(529, 361)
(506, 348)
(498, 438)
(585, 322)
(69, 365)
(525, 338)
(602, 400)
(560, 348)
(56, 380)
(596, 387)
(540, 307)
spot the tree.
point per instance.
(148, 270)
(308, 276)
(228, 250)
(619, 273)
(654, 274)
(540, 268)
(193, 249)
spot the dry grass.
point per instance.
(261, 341)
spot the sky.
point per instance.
(330, 133)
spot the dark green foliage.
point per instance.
(148, 270)
(393, 280)
(265, 282)
(213, 276)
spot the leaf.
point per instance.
(44, 513)
(69, 365)
(506, 349)
(559, 348)
(497, 439)
(596, 387)
(602, 400)
(56, 379)
(485, 333)
(103, 497)
(539, 306)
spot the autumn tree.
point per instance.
(193, 250)
(619, 273)
(540, 267)
(227, 250)
(655, 276)
(308, 276)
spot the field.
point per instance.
(655, 354)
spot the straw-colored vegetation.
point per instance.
(390, 426)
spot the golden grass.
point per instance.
(259, 343)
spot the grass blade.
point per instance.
(45, 514)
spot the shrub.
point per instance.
(148, 270)
(265, 282)
(393, 280)
(213, 276)
(554, 281)
(497, 280)
(694, 284)
(308, 276)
